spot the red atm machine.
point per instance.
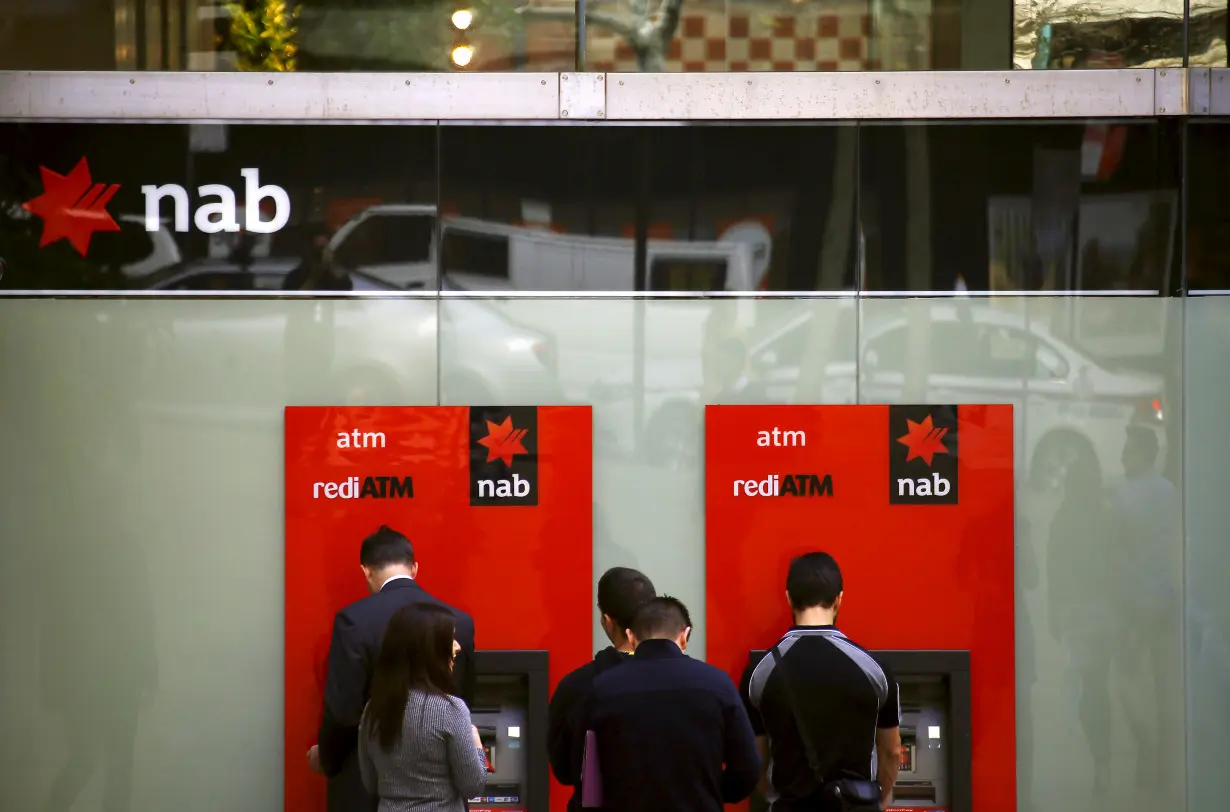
(497, 502)
(916, 505)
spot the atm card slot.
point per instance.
(919, 791)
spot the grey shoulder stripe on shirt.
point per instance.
(862, 659)
(760, 675)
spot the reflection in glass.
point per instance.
(1208, 206)
(1020, 207)
(187, 214)
(778, 214)
(1060, 34)
(1097, 503)
(1207, 515)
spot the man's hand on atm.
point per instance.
(478, 740)
(313, 757)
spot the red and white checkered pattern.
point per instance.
(738, 37)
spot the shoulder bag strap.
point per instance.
(812, 759)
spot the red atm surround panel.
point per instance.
(932, 570)
(523, 570)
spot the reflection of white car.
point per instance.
(237, 358)
(1066, 404)
(398, 244)
(132, 250)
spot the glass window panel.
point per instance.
(1207, 516)
(648, 368)
(368, 212)
(141, 560)
(1099, 567)
(1208, 205)
(1020, 207)
(720, 208)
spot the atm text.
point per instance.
(372, 487)
(779, 438)
(360, 439)
(786, 485)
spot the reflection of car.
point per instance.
(238, 357)
(130, 250)
(398, 243)
(1066, 403)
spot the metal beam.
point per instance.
(391, 97)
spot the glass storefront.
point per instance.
(1074, 269)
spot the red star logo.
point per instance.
(503, 442)
(73, 207)
(923, 440)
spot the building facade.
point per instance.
(880, 203)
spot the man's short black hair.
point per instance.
(814, 579)
(621, 591)
(661, 618)
(384, 548)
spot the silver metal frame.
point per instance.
(613, 97)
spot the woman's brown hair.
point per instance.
(416, 654)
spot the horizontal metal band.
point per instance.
(109, 95)
(547, 294)
(596, 97)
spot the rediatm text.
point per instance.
(371, 487)
(786, 485)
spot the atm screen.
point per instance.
(500, 709)
(908, 738)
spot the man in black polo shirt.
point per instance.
(848, 702)
(672, 734)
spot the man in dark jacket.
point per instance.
(671, 732)
(387, 560)
(621, 591)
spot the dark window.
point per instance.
(687, 274)
(387, 239)
(475, 254)
(130, 245)
(215, 280)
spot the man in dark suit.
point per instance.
(387, 560)
(672, 733)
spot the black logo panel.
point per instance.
(503, 455)
(922, 455)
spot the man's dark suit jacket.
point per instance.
(358, 631)
(673, 735)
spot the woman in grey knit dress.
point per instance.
(418, 750)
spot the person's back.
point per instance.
(846, 702)
(389, 567)
(621, 591)
(433, 767)
(671, 731)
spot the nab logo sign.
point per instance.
(73, 207)
(503, 455)
(922, 455)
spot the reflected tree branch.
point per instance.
(648, 33)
